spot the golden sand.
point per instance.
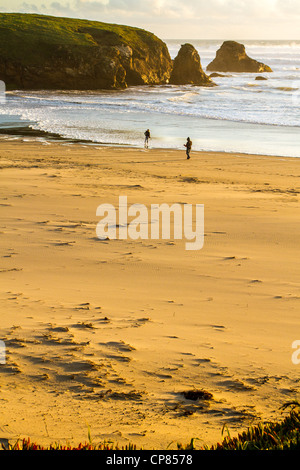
(106, 335)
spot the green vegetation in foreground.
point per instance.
(27, 38)
(284, 435)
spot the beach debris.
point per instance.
(197, 394)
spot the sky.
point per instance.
(181, 19)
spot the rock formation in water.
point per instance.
(232, 57)
(216, 74)
(187, 68)
(44, 52)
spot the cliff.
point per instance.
(187, 68)
(232, 57)
(44, 52)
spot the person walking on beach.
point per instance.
(188, 146)
(147, 137)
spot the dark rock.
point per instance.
(43, 52)
(260, 78)
(187, 69)
(197, 395)
(232, 57)
(216, 74)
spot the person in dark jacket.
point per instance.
(147, 137)
(188, 146)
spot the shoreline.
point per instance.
(48, 137)
(109, 334)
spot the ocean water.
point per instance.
(241, 114)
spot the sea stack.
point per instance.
(45, 52)
(232, 57)
(187, 69)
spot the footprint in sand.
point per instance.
(60, 243)
(119, 345)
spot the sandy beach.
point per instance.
(106, 334)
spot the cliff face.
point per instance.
(187, 68)
(42, 52)
(232, 57)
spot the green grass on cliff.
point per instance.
(28, 37)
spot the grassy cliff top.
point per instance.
(27, 37)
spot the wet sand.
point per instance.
(106, 334)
